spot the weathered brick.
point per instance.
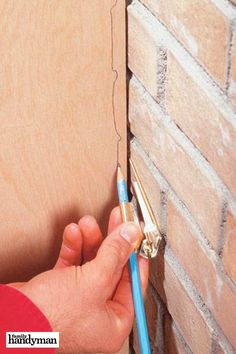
(201, 27)
(229, 250)
(232, 87)
(193, 188)
(185, 314)
(200, 267)
(214, 290)
(203, 30)
(201, 121)
(145, 58)
(224, 308)
(189, 251)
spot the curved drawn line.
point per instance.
(114, 84)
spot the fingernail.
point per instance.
(130, 232)
(73, 227)
(88, 220)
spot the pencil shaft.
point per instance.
(141, 321)
(134, 273)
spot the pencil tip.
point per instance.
(119, 172)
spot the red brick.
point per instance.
(201, 121)
(201, 27)
(172, 342)
(232, 88)
(143, 54)
(216, 293)
(229, 250)
(186, 315)
(193, 188)
(188, 250)
(196, 263)
(224, 308)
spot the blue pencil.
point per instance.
(134, 271)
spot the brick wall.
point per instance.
(182, 114)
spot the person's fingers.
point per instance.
(123, 293)
(115, 219)
(121, 305)
(114, 253)
(122, 301)
(71, 249)
(92, 237)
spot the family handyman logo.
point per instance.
(32, 339)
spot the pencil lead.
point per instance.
(119, 173)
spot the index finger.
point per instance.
(115, 219)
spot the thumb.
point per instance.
(115, 250)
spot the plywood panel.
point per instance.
(60, 102)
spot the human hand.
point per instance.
(91, 305)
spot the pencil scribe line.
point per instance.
(114, 70)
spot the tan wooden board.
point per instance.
(58, 143)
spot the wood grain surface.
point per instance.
(58, 142)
